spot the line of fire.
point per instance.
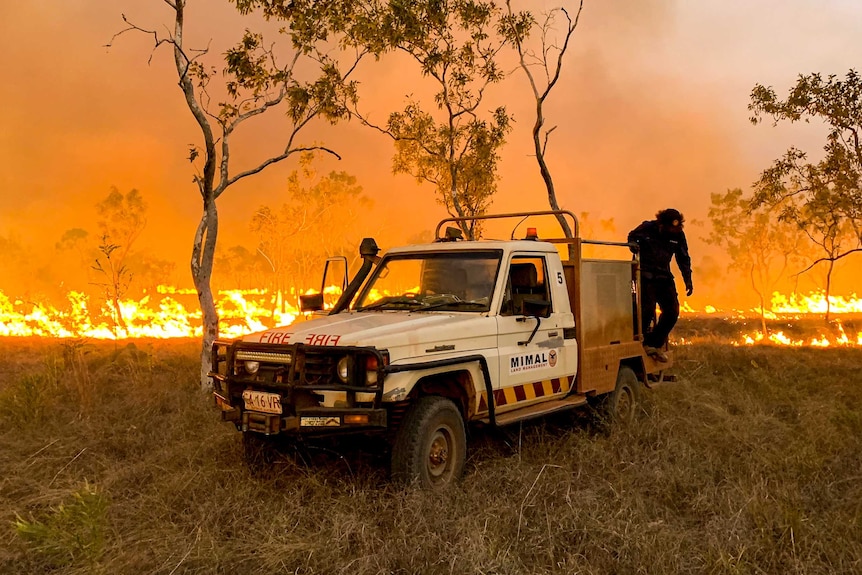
(171, 312)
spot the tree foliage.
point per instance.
(451, 144)
(122, 217)
(111, 253)
(18, 265)
(459, 160)
(239, 267)
(830, 188)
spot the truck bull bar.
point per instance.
(228, 358)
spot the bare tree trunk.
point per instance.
(466, 228)
(115, 299)
(763, 327)
(203, 253)
(203, 250)
(760, 296)
(546, 175)
(121, 322)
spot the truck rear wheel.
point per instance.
(620, 406)
(431, 445)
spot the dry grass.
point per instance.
(113, 462)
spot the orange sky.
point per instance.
(651, 112)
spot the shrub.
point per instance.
(70, 533)
(26, 400)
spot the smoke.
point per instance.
(650, 113)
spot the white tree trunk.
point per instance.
(203, 253)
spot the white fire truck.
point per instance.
(428, 340)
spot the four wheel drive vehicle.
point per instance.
(429, 339)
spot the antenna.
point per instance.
(522, 220)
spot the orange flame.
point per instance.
(792, 305)
(797, 306)
(779, 338)
(163, 315)
(239, 311)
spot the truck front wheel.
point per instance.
(431, 445)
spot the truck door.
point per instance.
(532, 361)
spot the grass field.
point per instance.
(751, 462)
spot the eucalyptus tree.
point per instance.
(760, 245)
(306, 80)
(828, 192)
(542, 65)
(122, 219)
(831, 234)
(453, 143)
(316, 221)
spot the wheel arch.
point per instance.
(457, 385)
(461, 379)
(636, 364)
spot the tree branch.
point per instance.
(829, 259)
(274, 160)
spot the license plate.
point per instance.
(314, 421)
(262, 401)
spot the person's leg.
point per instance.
(668, 303)
(648, 301)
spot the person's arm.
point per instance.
(683, 260)
(639, 235)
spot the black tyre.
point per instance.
(620, 407)
(431, 445)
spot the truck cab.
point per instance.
(428, 340)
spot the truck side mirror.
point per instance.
(311, 302)
(334, 272)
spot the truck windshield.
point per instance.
(435, 281)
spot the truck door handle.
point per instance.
(553, 333)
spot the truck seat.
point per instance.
(524, 278)
(450, 281)
(524, 281)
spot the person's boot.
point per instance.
(655, 353)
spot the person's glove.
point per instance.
(689, 289)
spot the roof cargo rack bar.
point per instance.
(523, 215)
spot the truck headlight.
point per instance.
(343, 369)
(252, 367)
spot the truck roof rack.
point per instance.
(453, 234)
(560, 216)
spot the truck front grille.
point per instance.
(315, 368)
(289, 365)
